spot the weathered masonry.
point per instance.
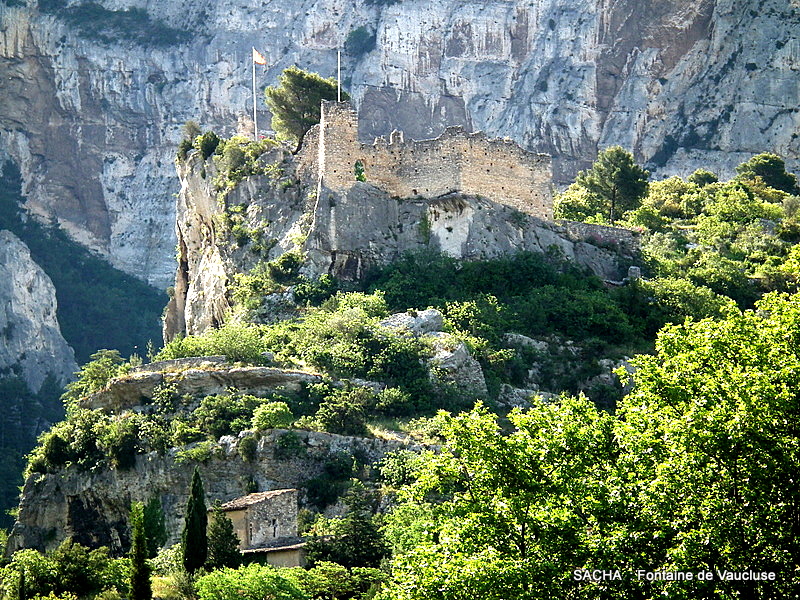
(266, 523)
(498, 170)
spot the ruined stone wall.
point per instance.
(456, 161)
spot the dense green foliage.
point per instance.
(24, 415)
(70, 569)
(252, 582)
(140, 586)
(695, 473)
(194, 538)
(354, 539)
(295, 102)
(155, 530)
(91, 294)
(734, 238)
(359, 41)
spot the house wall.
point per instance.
(272, 519)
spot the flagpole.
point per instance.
(255, 113)
(338, 75)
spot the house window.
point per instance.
(275, 528)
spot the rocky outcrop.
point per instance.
(93, 117)
(93, 506)
(130, 391)
(30, 339)
(346, 234)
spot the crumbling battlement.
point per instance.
(456, 161)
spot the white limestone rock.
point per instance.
(30, 338)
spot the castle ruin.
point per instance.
(456, 161)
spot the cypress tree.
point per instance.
(140, 570)
(22, 593)
(155, 529)
(194, 539)
(223, 543)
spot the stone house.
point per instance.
(266, 525)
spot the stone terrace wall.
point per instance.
(456, 161)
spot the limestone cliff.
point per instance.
(93, 507)
(30, 339)
(92, 107)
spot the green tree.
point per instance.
(223, 543)
(577, 203)
(140, 585)
(356, 540)
(710, 437)
(155, 530)
(771, 168)
(617, 180)
(194, 539)
(295, 102)
(94, 375)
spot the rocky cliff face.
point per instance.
(93, 507)
(344, 234)
(30, 339)
(92, 110)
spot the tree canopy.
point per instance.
(616, 181)
(771, 168)
(295, 102)
(696, 471)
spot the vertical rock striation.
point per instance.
(92, 113)
(30, 339)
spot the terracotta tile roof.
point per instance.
(251, 499)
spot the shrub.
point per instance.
(238, 342)
(314, 292)
(252, 582)
(272, 415)
(345, 411)
(359, 41)
(284, 269)
(95, 375)
(399, 468)
(225, 414)
(207, 143)
(248, 447)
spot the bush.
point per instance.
(345, 411)
(225, 414)
(207, 143)
(238, 342)
(359, 41)
(248, 448)
(70, 569)
(272, 415)
(252, 582)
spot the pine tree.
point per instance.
(295, 102)
(616, 180)
(140, 570)
(194, 539)
(223, 543)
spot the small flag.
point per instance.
(258, 58)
